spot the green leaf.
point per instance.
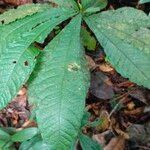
(88, 144)
(27, 145)
(36, 143)
(21, 12)
(2, 144)
(91, 6)
(88, 40)
(6, 145)
(65, 4)
(16, 59)
(9, 130)
(4, 135)
(56, 16)
(125, 36)
(24, 135)
(40, 146)
(144, 1)
(10, 67)
(59, 87)
(37, 146)
(85, 118)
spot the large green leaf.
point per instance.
(125, 36)
(21, 12)
(16, 60)
(10, 81)
(60, 84)
(144, 1)
(93, 5)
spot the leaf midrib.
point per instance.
(62, 85)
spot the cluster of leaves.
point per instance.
(60, 78)
(29, 138)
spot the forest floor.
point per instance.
(122, 107)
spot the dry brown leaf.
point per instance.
(126, 84)
(140, 95)
(131, 105)
(104, 116)
(105, 67)
(101, 87)
(23, 91)
(116, 127)
(2, 10)
(122, 133)
(17, 2)
(100, 138)
(91, 63)
(117, 143)
(135, 111)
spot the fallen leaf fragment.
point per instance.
(117, 143)
(17, 2)
(101, 87)
(139, 95)
(91, 63)
(105, 121)
(135, 111)
(105, 67)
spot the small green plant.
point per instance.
(60, 77)
(8, 136)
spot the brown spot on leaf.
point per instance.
(26, 63)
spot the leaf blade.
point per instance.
(4, 135)
(61, 118)
(125, 41)
(91, 6)
(87, 143)
(21, 12)
(144, 1)
(65, 4)
(24, 135)
(87, 39)
(14, 54)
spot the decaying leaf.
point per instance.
(101, 86)
(17, 2)
(117, 143)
